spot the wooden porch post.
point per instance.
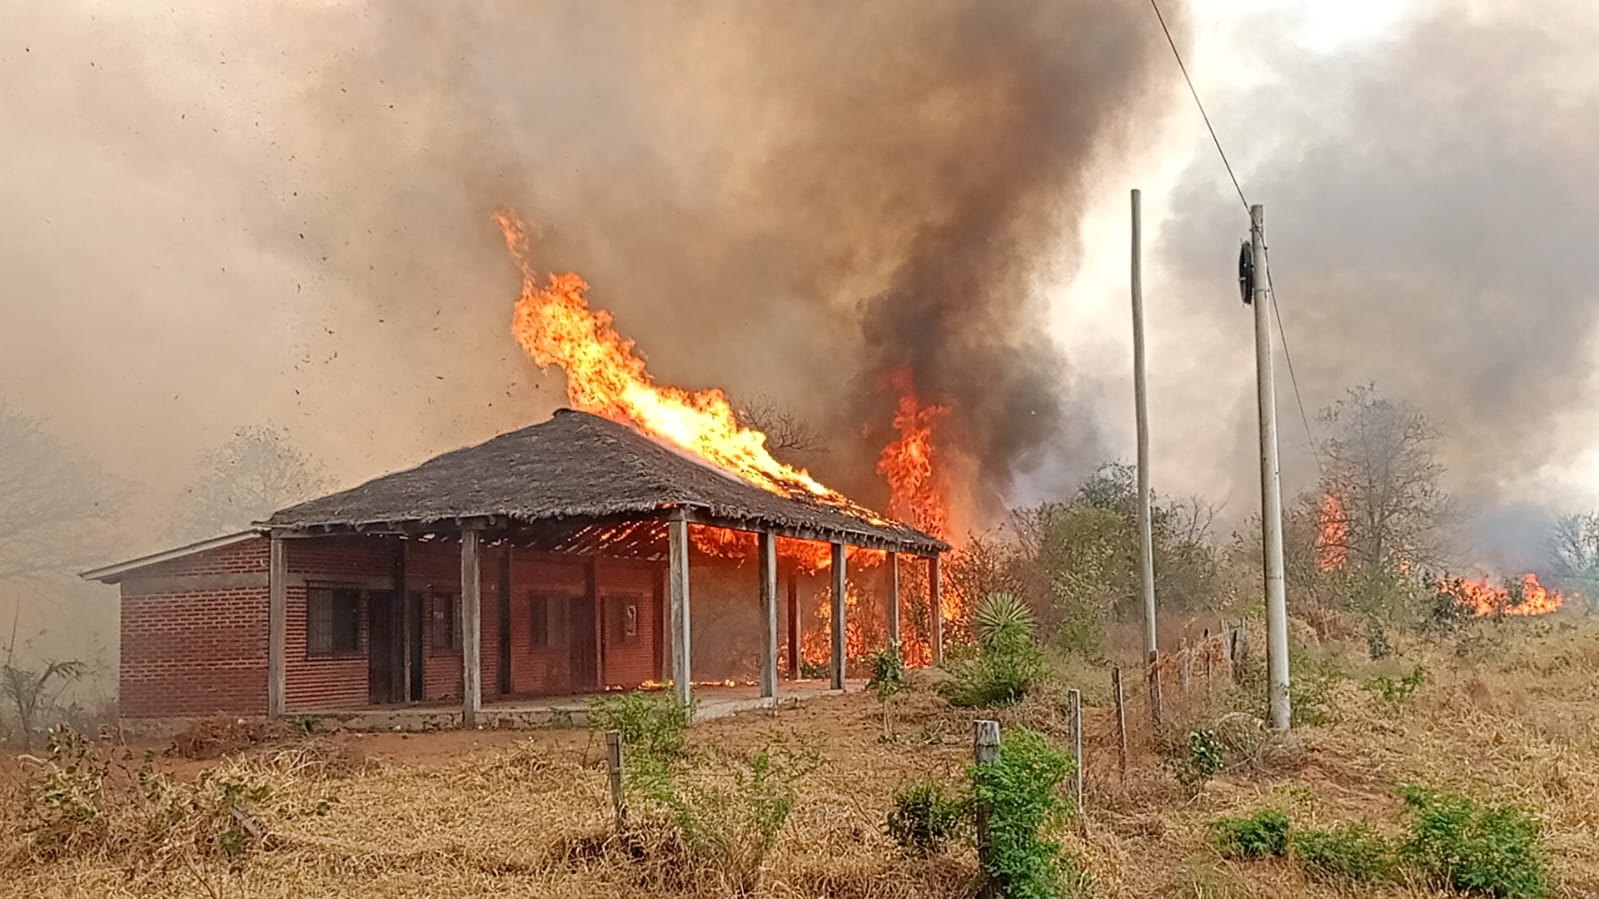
(893, 598)
(793, 626)
(840, 584)
(277, 625)
(768, 571)
(408, 622)
(677, 584)
(935, 596)
(471, 630)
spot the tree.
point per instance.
(1574, 552)
(255, 473)
(1380, 464)
(787, 433)
(54, 504)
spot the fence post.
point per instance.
(1184, 666)
(1074, 698)
(985, 750)
(1121, 721)
(613, 754)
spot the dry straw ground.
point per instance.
(1511, 715)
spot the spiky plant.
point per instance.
(1002, 621)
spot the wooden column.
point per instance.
(406, 623)
(277, 625)
(893, 598)
(471, 630)
(935, 598)
(677, 584)
(840, 585)
(768, 572)
(793, 626)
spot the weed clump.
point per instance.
(652, 724)
(1262, 834)
(1459, 843)
(1350, 855)
(925, 817)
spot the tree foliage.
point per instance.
(252, 475)
(54, 504)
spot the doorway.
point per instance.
(383, 647)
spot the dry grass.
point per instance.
(455, 815)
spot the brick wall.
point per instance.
(360, 562)
(629, 661)
(193, 652)
(545, 670)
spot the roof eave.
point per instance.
(112, 574)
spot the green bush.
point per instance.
(1395, 693)
(1204, 760)
(1007, 661)
(652, 724)
(1312, 681)
(1018, 792)
(925, 818)
(1461, 844)
(1349, 855)
(729, 817)
(1256, 836)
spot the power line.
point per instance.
(1199, 103)
(1282, 334)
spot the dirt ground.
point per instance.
(527, 814)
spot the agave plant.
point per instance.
(1001, 620)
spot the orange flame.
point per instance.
(816, 644)
(1484, 599)
(1332, 535)
(907, 463)
(605, 375)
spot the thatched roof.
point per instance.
(577, 467)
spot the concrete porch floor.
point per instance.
(710, 701)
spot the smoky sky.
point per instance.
(794, 201)
(1430, 202)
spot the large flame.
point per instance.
(1332, 535)
(606, 375)
(907, 463)
(1482, 598)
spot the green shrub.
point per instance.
(1395, 693)
(1256, 836)
(1204, 760)
(1312, 681)
(888, 678)
(1461, 844)
(1018, 792)
(925, 818)
(1007, 661)
(652, 724)
(728, 818)
(1350, 855)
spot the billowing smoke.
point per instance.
(1430, 200)
(792, 200)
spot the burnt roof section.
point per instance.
(581, 466)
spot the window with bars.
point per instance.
(332, 622)
(446, 621)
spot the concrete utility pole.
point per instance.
(1146, 544)
(1271, 500)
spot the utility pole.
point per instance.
(1271, 500)
(1146, 547)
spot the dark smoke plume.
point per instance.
(794, 200)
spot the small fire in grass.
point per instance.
(1482, 598)
(1332, 535)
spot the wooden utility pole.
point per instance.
(1271, 501)
(1146, 543)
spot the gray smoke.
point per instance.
(1429, 202)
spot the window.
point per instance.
(446, 621)
(332, 621)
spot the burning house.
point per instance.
(552, 560)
